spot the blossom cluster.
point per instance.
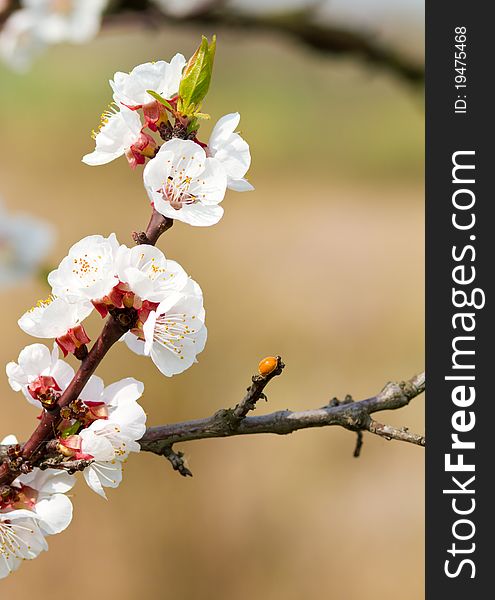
(154, 122)
(101, 427)
(185, 179)
(100, 275)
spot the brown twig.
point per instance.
(157, 226)
(351, 415)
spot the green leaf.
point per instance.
(162, 100)
(196, 78)
(72, 430)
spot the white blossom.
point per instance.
(108, 441)
(231, 151)
(20, 539)
(57, 318)
(37, 506)
(76, 21)
(184, 184)
(181, 8)
(37, 371)
(19, 44)
(173, 334)
(131, 89)
(52, 507)
(88, 271)
(147, 273)
(120, 134)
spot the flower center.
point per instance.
(170, 330)
(86, 268)
(176, 191)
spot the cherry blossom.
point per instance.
(88, 271)
(19, 43)
(231, 151)
(131, 89)
(34, 507)
(39, 373)
(173, 334)
(121, 134)
(147, 274)
(76, 21)
(45, 492)
(108, 440)
(184, 184)
(58, 319)
(20, 539)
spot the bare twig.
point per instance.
(177, 461)
(351, 415)
(392, 433)
(359, 444)
(254, 393)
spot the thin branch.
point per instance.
(359, 444)
(351, 415)
(392, 433)
(254, 393)
(177, 461)
(71, 466)
(157, 226)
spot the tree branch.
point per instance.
(351, 415)
(304, 27)
(325, 39)
(156, 227)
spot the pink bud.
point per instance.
(155, 114)
(72, 340)
(42, 386)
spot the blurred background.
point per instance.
(322, 264)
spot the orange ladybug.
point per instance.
(268, 365)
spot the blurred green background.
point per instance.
(322, 264)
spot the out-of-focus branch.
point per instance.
(303, 26)
(349, 414)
